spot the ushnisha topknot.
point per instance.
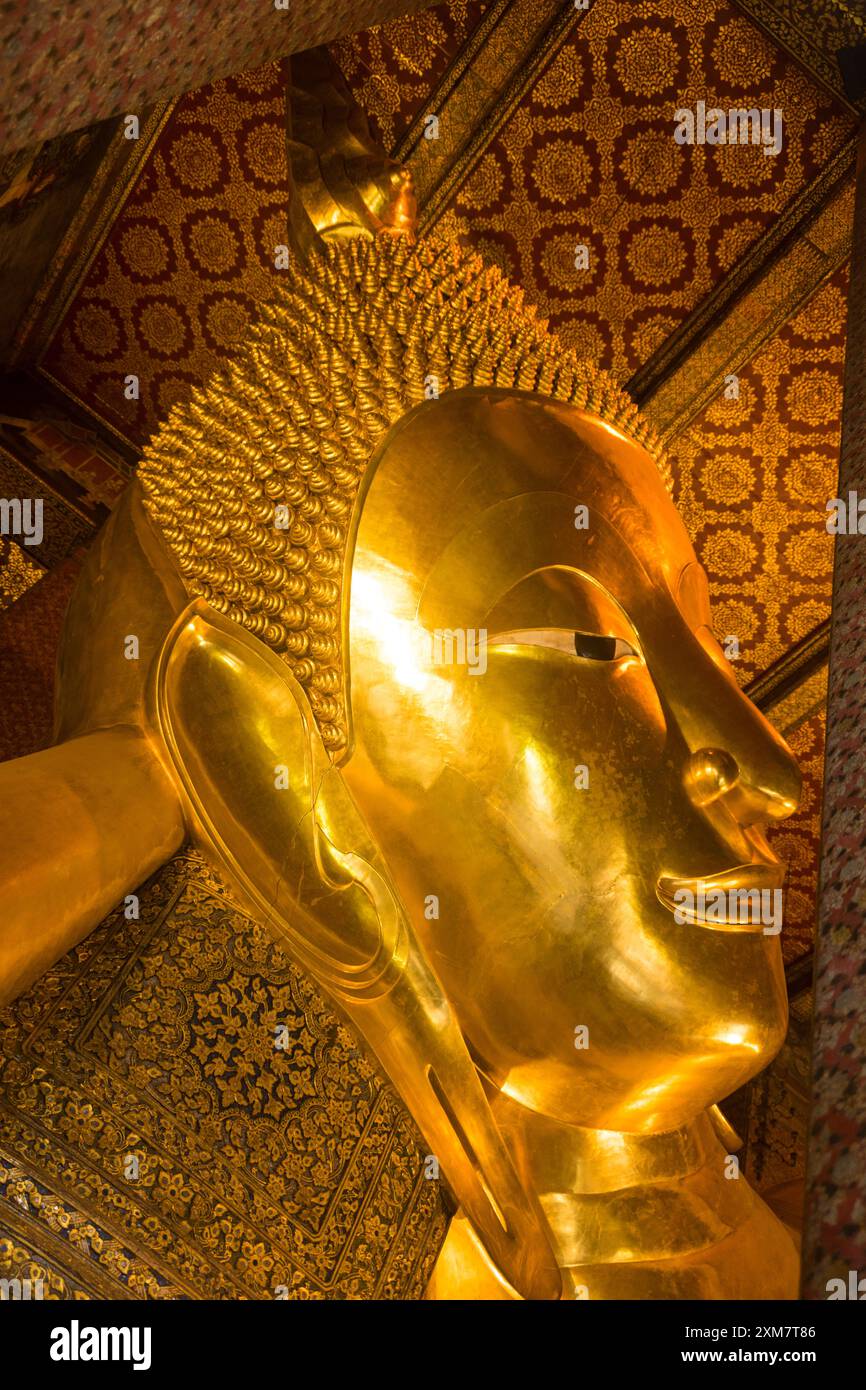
(344, 349)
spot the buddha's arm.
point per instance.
(170, 714)
(85, 822)
(81, 825)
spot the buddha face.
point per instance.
(552, 751)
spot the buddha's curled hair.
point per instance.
(344, 349)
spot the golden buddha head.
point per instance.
(461, 541)
(551, 751)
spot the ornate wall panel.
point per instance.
(64, 527)
(17, 572)
(97, 59)
(263, 1171)
(796, 841)
(753, 476)
(175, 283)
(29, 636)
(40, 190)
(588, 158)
(393, 70)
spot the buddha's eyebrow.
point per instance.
(517, 536)
(568, 607)
(559, 582)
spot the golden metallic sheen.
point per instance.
(423, 660)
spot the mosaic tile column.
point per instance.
(63, 67)
(835, 1234)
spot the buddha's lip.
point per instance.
(761, 876)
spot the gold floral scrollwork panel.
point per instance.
(587, 162)
(183, 1116)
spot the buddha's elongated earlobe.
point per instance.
(265, 802)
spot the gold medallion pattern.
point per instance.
(178, 1105)
(753, 475)
(588, 158)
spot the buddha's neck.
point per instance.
(635, 1216)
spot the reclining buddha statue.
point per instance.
(399, 623)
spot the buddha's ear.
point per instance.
(265, 803)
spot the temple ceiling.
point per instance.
(553, 132)
(702, 262)
(163, 274)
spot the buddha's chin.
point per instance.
(639, 1114)
(675, 1093)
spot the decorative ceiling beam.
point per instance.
(749, 307)
(812, 32)
(770, 250)
(809, 240)
(794, 688)
(111, 186)
(796, 665)
(497, 65)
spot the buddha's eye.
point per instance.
(591, 646)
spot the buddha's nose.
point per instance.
(733, 756)
(709, 773)
(713, 774)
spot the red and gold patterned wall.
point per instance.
(393, 70)
(175, 284)
(588, 157)
(752, 478)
